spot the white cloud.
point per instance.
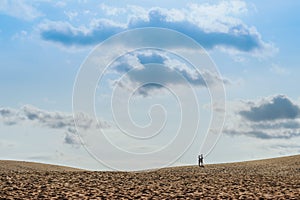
(60, 4)
(71, 14)
(217, 17)
(22, 35)
(111, 11)
(276, 69)
(20, 9)
(211, 25)
(159, 70)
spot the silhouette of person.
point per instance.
(200, 160)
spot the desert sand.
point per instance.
(277, 178)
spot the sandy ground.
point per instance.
(277, 178)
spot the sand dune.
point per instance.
(23, 166)
(277, 178)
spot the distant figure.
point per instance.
(200, 160)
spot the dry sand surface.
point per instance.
(277, 178)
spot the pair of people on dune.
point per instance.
(200, 160)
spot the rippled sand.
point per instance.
(277, 178)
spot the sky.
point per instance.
(130, 85)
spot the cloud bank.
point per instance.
(276, 117)
(169, 71)
(211, 25)
(51, 119)
(279, 107)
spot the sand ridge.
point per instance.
(277, 178)
(19, 166)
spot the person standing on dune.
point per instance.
(200, 160)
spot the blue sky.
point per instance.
(253, 44)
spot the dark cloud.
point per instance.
(279, 107)
(6, 112)
(151, 58)
(140, 58)
(237, 36)
(7, 116)
(72, 139)
(146, 89)
(51, 119)
(276, 117)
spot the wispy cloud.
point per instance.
(276, 117)
(112, 11)
(212, 25)
(51, 119)
(23, 10)
(285, 148)
(276, 69)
